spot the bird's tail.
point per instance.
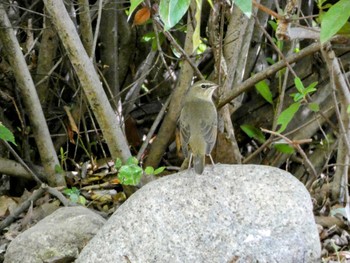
(198, 163)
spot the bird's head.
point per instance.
(203, 89)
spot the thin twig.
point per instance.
(249, 83)
(275, 47)
(97, 29)
(309, 165)
(153, 128)
(49, 189)
(19, 159)
(178, 48)
(23, 207)
(161, 53)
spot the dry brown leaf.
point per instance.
(142, 16)
(72, 123)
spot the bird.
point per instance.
(198, 124)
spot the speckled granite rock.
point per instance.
(59, 237)
(231, 213)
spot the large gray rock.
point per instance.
(59, 237)
(231, 213)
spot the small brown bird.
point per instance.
(198, 123)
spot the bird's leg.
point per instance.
(212, 162)
(211, 159)
(189, 162)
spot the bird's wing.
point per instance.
(209, 131)
(184, 135)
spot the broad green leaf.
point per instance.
(315, 107)
(273, 24)
(264, 90)
(253, 132)
(130, 174)
(297, 96)
(67, 191)
(345, 30)
(118, 163)
(201, 48)
(73, 191)
(6, 134)
(299, 85)
(132, 160)
(334, 19)
(245, 6)
(74, 198)
(311, 88)
(284, 148)
(171, 11)
(82, 200)
(287, 115)
(133, 5)
(159, 170)
(149, 170)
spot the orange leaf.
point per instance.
(142, 16)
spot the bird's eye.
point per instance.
(203, 86)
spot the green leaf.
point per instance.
(245, 6)
(284, 148)
(314, 107)
(6, 134)
(270, 60)
(348, 109)
(273, 24)
(118, 163)
(133, 5)
(58, 169)
(299, 85)
(130, 174)
(132, 160)
(75, 190)
(171, 11)
(201, 48)
(287, 115)
(264, 90)
(311, 88)
(334, 19)
(74, 194)
(297, 96)
(82, 200)
(149, 170)
(253, 132)
(74, 198)
(67, 191)
(148, 37)
(159, 170)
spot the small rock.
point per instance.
(56, 238)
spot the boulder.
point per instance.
(230, 213)
(59, 237)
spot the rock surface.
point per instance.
(231, 213)
(59, 237)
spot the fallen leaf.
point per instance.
(142, 16)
